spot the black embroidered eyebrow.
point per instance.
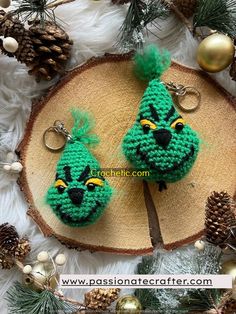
(170, 113)
(57, 176)
(154, 113)
(84, 174)
(67, 173)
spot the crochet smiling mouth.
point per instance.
(176, 166)
(70, 219)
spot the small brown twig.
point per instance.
(180, 15)
(182, 18)
(56, 3)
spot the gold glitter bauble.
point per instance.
(215, 53)
(229, 268)
(128, 305)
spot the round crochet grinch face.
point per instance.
(160, 140)
(77, 197)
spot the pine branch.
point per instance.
(217, 15)
(146, 265)
(41, 10)
(22, 299)
(201, 300)
(140, 14)
(155, 10)
(148, 299)
(54, 292)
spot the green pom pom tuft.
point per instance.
(152, 63)
(83, 124)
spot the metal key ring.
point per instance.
(192, 90)
(53, 129)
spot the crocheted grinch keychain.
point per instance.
(77, 197)
(160, 140)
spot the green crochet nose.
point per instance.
(76, 195)
(162, 137)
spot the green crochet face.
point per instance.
(78, 198)
(160, 140)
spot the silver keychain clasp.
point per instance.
(180, 90)
(59, 128)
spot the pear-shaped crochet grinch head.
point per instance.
(160, 140)
(78, 196)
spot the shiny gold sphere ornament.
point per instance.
(229, 268)
(128, 305)
(215, 53)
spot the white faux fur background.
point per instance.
(93, 26)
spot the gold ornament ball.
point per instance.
(128, 305)
(229, 268)
(215, 53)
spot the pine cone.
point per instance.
(11, 247)
(187, 7)
(9, 239)
(220, 217)
(100, 299)
(229, 307)
(12, 27)
(6, 262)
(22, 249)
(52, 46)
(232, 70)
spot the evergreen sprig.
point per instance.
(148, 299)
(30, 10)
(22, 299)
(185, 261)
(201, 300)
(140, 14)
(218, 15)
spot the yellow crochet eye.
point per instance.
(147, 125)
(60, 185)
(93, 182)
(178, 124)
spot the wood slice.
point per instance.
(107, 88)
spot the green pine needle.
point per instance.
(201, 300)
(140, 14)
(148, 299)
(23, 300)
(218, 15)
(31, 10)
